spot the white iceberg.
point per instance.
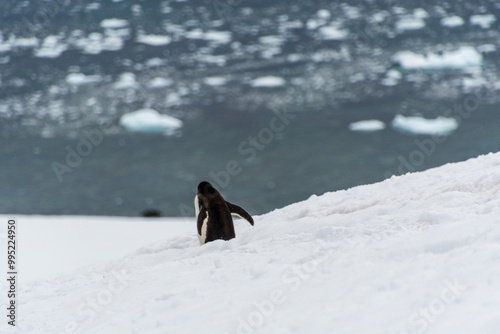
(78, 79)
(214, 36)
(333, 33)
(114, 23)
(31, 42)
(51, 48)
(125, 81)
(415, 125)
(410, 23)
(96, 42)
(274, 40)
(452, 21)
(466, 57)
(218, 37)
(367, 126)
(484, 21)
(268, 82)
(159, 82)
(151, 121)
(215, 81)
(154, 40)
(323, 14)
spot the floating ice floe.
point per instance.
(218, 37)
(95, 43)
(5, 46)
(452, 21)
(114, 23)
(324, 14)
(126, 81)
(378, 17)
(214, 36)
(420, 13)
(268, 82)
(484, 21)
(215, 81)
(219, 60)
(51, 48)
(472, 83)
(272, 45)
(464, 58)
(151, 121)
(367, 126)
(333, 33)
(351, 12)
(92, 6)
(415, 125)
(31, 42)
(13, 42)
(154, 40)
(392, 78)
(485, 48)
(409, 23)
(78, 79)
(154, 62)
(159, 82)
(272, 40)
(316, 22)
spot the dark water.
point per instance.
(232, 134)
(126, 173)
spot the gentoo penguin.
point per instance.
(213, 214)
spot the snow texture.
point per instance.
(415, 253)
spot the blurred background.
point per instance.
(116, 107)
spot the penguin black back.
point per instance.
(213, 214)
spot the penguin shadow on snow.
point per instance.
(213, 214)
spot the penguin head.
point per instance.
(207, 193)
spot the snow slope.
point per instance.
(413, 254)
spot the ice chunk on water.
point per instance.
(333, 33)
(409, 23)
(51, 47)
(78, 79)
(421, 126)
(154, 40)
(149, 120)
(484, 21)
(367, 126)
(215, 81)
(268, 81)
(464, 58)
(114, 23)
(452, 21)
(126, 81)
(159, 82)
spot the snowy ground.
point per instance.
(414, 254)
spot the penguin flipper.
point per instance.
(238, 211)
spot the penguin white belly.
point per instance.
(203, 236)
(196, 206)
